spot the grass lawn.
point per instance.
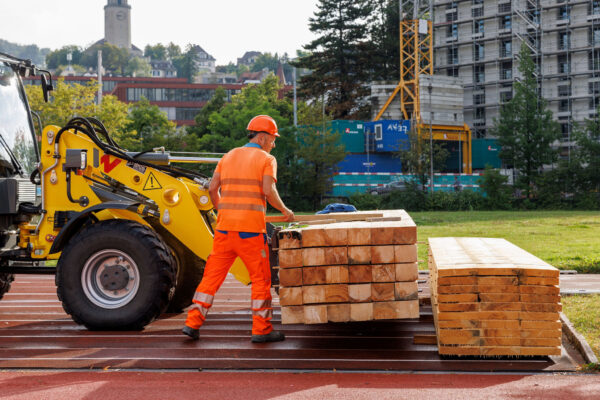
(584, 314)
(564, 239)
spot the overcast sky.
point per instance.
(224, 28)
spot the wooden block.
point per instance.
(383, 273)
(336, 294)
(290, 277)
(290, 258)
(510, 306)
(542, 281)
(457, 280)
(324, 236)
(360, 293)
(382, 292)
(458, 307)
(537, 333)
(360, 273)
(556, 341)
(538, 316)
(405, 253)
(292, 315)
(359, 234)
(314, 276)
(338, 312)
(313, 294)
(479, 324)
(361, 312)
(407, 309)
(382, 255)
(499, 297)
(315, 314)
(406, 291)
(315, 256)
(463, 289)
(290, 296)
(359, 255)
(540, 298)
(385, 310)
(290, 239)
(481, 315)
(407, 272)
(405, 234)
(382, 234)
(498, 288)
(541, 325)
(497, 280)
(337, 274)
(529, 289)
(457, 298)
(459, 350)
(541, 307)
(540, 351)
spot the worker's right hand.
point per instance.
(289, 214)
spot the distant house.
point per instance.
(254, 77)
(249, 58)
(204, 61)
(163, 69)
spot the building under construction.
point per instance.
(478, 42)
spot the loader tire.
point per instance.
(5, 281)
(190, 269)
(115, 275)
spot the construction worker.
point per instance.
(243, 179)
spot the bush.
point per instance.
(496, 191)
(365, 201)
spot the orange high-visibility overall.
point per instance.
(241, 232)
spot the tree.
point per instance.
(384, 30)
(147, 120)
(114, 59)
(76, 100)
(186, 64)
(265, 60)
(57, 58)
(338, 58)
(137, 66)
(173, 50)
(156, 52)
(416, 154)
(525, 128)
(215, 104)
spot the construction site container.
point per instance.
(387, 135)
(352, 134)
(486, 151)
(370, 163)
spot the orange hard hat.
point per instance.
(263, 123)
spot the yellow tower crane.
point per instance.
(416, 59)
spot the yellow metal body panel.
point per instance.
(181, 202)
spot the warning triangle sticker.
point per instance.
(152, 183)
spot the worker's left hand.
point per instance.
(289, 214)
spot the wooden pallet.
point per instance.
(349, 271)
(491, 298)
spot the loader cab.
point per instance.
(19, 153)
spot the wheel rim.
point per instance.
(110, 278)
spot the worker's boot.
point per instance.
(273, 336)
(191, 332)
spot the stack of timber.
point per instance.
(349, 271)
(492, 298)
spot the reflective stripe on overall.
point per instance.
(252, 248)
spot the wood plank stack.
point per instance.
(492, 298)
(349, 271)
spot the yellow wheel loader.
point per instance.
(130, 231)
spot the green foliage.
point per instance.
(156, 52)
(385, 49)
(147, 121)
(416, 156)
(185, 63)
(525, 128)
(496, 190)
(26, 52)
(137, 66)
(339, 57)
(266, 60)
(114, 59)
(58, 58)
(215, 104)
(584, 313)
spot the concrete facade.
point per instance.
(117, 23)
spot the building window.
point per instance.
(564, 66)
(479, 99)
(594, 87)
(478, 26)
(564, 105)
(505, 96)
(594, 36)
(563, 13)
(506, 70)
(505, 22)
(452, 16)
(564, 130)
(477, 12)
(479, 74)
(564, 40)
(478, 51)
(506, 48)
(594, 7)
(378, 132)
(594, 101)
(186, 114)
(451, 5)
(594, 60)
(504, 7)
(453, 72)
(564, 90)
(479, 113)
(452, 31)
(453, 56)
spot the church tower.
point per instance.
(117, 23)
